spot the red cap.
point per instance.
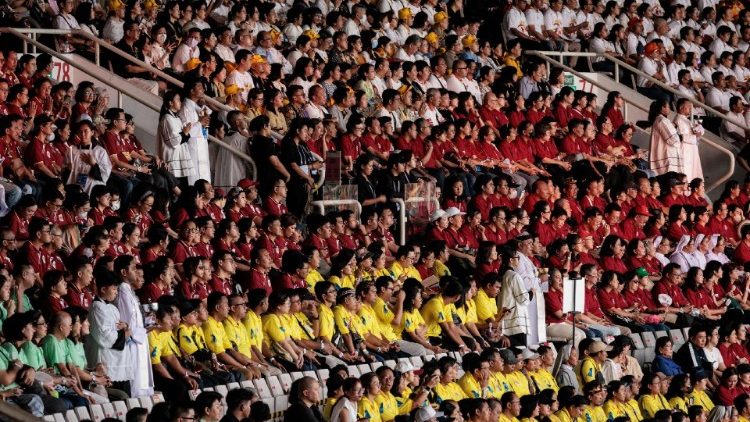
(247, 183)
(642, 210)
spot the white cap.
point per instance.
(529, 354)
(427, 414)
(438, 214)
(452, 212)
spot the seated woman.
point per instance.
(663, 361)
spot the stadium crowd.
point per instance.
(125, 271)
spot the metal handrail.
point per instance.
(320, 205)
(708, 141)
(21, 33)
(650, 78)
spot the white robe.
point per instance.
(514, 296)
(175, 153)
(691, 159)
(198, 143)
(666, 148)
(103, 318)
(230, 168)
(140, 376)
(79, 171)
(528, 272)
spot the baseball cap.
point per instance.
(528, 354)
(247, 183)
(452, 212)
(598, 346)
(438, 214)
(404, 367)
(508, 356)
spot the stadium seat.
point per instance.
(209, 389)
(232, 385)
(405, 361)
(310, 374)
(97, 413)
(677, 337)
(417, 361)
(120, 409)
(132, 403)
(686, 331)
(649, 340)
(193, 394)
(364, 368)
(49, 418)
(59, 417)
(637, 341)
(282, 403)
(440, 355)
(70, 416)
(222, 389)
(275, 385)
(296, 375)
(158, 397)
(391, 364)
(660, 334)
(354, 371)
(375, 365)
(261, 385)
(146, 403)
(285, 380)
(83, 412)
(109, 410)
(323, 375)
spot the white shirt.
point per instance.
(718, 47)
(731, 127)
(224, 52)
(515, 19)
(649, 67)
(553, 21)
(601, 46)
(182, 55)
(717, 98)
(535, 19)
(673, 69)
(632, 43)
(65, 21)
(244, 80)
(113, 30)
(457, 85)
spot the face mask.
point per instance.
(161, 38)
(83, 215)
(192, 42)
(51, 137)
(115, 205)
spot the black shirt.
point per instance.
(299, 412)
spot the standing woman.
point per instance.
(300, 162)
(666, 150)
(172, 138)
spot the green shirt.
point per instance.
(32, 355)
(55, 351)
(8, 353)
(76, 354)
(26, 302)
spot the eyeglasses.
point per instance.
(240, 304)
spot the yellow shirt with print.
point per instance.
(486, 306)
(700, 398)
(254, 326)
(398, 270)
(678, 403)
(275, 328)
(498, 385)
(388, 406)
(563, 415)
(434, 313)
(313, 278)
(471, 387)
(385, 317)
(346, 322)
(238, 335)
(346, 281)
(191, 339)
(158, 347)
(328, 407)
(505, 418)
(633, 410)
(588, 370)
(594, 414)
(368, 409)
(410, 321)
(369, 321)
(450, 391)
(440, 269)
(614, 410)
(216, 336)
(326, 322)
(518, 383)
(652, 403)
(292, 326)
(404, 401)
(544, 379)
(304, 326)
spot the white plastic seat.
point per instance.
(364, 368)
(158, 397)
(109, 410)
(310, 374)
(391, 364)
(193, 394)
(660, 334)
(70, 416)
(275, 385)
(120, 409)
(417, 362)
(261, 386)
(637, 341)
(232, 385)
(59, 417)
(83, 412)
(282, 403)
(49, 418)
(440, 355)
(677, 336)
(247, 384)
(648, 339)
(97, 413)
(271, 402)
(146, 403)
(209, 389)
(286, 382)
(222, 389)
(354, 372)
(404, 361)
(133, 403)
(375, 365)
(323, 375)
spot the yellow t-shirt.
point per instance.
(544, 380)
(450, 391)
(434, 313)
(368, 409)
(385, 318)
(633, 410)
(342, 282)
(327, 324)
(614, 410)
(397, 270)
(594, 414)
(588, 370)
(158, 347)
(471, 387)
(328, 407)
(504, 418)
(498, 385)
(292, 326)
(346, 322)
(486, 306)
(700, 398)
(218, 341)
(313, 278)
(404, 402)
(369, 321)
(440, 269)
(563, 415)
(410, 322)
(238, 335)
(388, 406)
(652, 403)
(518, 383)
(274, 328)
(468, 313)
(191, 339)
(678, 403)
(254, 327)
